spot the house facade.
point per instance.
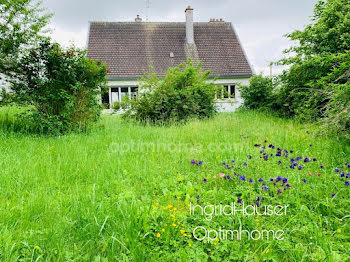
(130, 48)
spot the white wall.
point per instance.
(230, 105)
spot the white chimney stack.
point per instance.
(189, 26)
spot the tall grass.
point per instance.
(91, 197)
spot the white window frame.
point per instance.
(119, 97)
(222, 96)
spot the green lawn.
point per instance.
(121, 192)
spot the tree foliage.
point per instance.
(22, 24)
(260, 94)
(317, 83)
(184, 93)
(63, 86)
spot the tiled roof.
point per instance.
(129, 48)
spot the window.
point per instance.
(118, 93)
(105, 98)
(124, 92)
(232, 91)
(133, 92)
(227, 92)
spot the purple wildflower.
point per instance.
(314, 159)
(279, 191)
(200, 162)
(279, 178)
(304, 180)
(285, 180)
(205, 180)
(321, 166)
(261, 180)
(251, 180)
(266, 188)
(245, 164)
(193, 162)
(279, 162)
(336, 170)
(333, 195)
(242, 178)
(249, 157)
(347, 183)
(239, 200)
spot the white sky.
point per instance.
(260, 24)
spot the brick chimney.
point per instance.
(189, 26)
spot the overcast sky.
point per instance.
(260, 24)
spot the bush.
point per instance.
(316, 85)
(184, 93)
(260, 94)
(62, 85)
(124, 104)
(5, 98)
(335, 90)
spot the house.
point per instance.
(129, 48)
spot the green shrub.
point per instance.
(5, 98)
(124, 104)
(316, 85)
(260, 93)
(184, 93)
(62, 85)
(335, 91)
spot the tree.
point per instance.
(260, 93)
(22, 24)
(62, 85)
(184, 93)
(315, 86)
(329, 32)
